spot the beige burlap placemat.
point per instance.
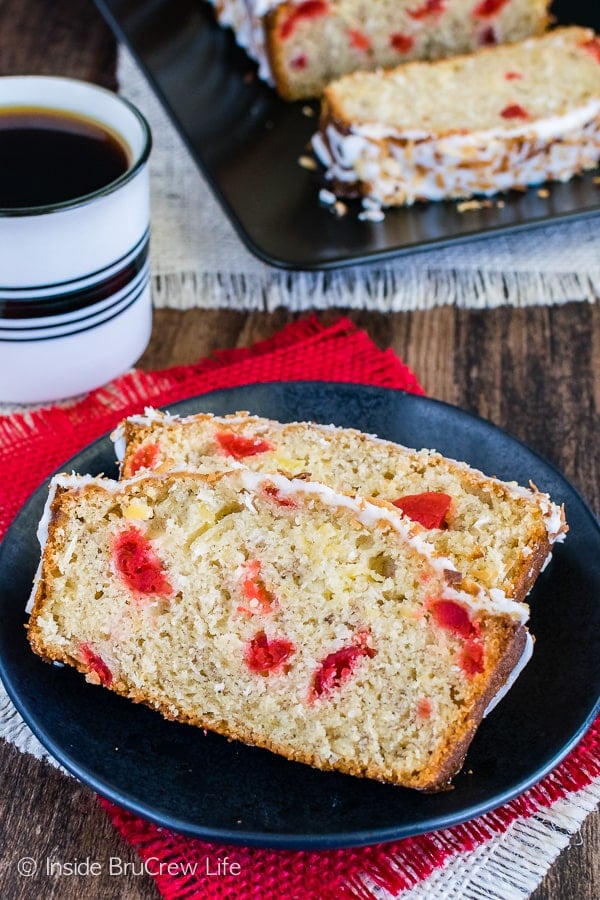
(199, 261)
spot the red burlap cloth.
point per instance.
(304, 350)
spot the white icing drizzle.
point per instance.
(523, 660)
(405, 166)
(552, 514)
(262, 7)
(119, 442)
(327, 197)
(371, 215)
(36, 581)
(245, 18)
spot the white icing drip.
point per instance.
(553, 519)
(327, 197)
(371, 215)
(156, 415)
(502, 603)
(36, 581)
(523, 660)
(552, 514)
(262, 7)
(548, 128)
(418, 166)
(119, 442)
(245, 18)
(321, 149)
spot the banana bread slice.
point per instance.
(277, 612)
(301, 45)
(503, 117)
(497, 534)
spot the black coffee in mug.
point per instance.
(75, 292)
(49, 156)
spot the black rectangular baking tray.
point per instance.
(247, 141)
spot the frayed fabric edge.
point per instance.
(381, 290)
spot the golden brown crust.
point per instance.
(44, 582)
(530, 567)
(504, 666)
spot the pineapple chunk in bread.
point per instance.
(504, 117)
(276, 612)
(301, 46)
(498, 535)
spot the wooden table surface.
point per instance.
(535, 372)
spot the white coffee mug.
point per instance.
(75, 303)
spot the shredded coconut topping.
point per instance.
(403, 167)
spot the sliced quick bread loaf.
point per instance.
(301, 45)
(499, 535)
(504, 117)
(277, 612)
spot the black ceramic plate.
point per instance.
(247, 142)
(200, 784)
